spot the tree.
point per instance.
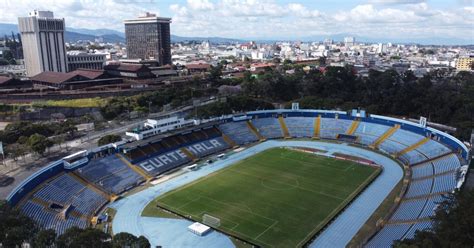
(107, 139)
(123, 240)
(39, 143)
(452, 224)
(15, 228)
(44, 239)
(8, 56)
(80, 238)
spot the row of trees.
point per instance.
(448, 100)
(120, 107)
(23, 137)
(16, 229)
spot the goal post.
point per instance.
(211, 220)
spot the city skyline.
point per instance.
(272, 19)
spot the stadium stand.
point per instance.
(422, 170)
(419, 188)
(111, 174)
(369, 132)
(238, 132)
(330, 127)
(388, 234)
(417, 226)
(268, 127)
(300, 127)
(434, 164)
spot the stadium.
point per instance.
(271, 178)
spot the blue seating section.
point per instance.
(49, 219)
(431, 206)
(448, 163)
(300, 127)
(422, 170)
(392, 146)
(432, 149)
(444, 183)
(405, 137)
(208, 147)
(369, 132)
(110, 173)
(409, 210)
(66, 190)
(238, 132)
(417, 226)
(268, 127)
(420, 187)
(163, 162)
(330, 128)
(388, 234)
(413, 157)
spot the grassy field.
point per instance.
(74, 103)
(278, 198)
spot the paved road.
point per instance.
(30, 163)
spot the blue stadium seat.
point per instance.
(268, 127)
(238, 132)
(300, 127)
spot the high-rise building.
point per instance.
(349, 41)
(82, 60)
(43, 42)
(148, 38)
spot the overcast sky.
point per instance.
(268, 19)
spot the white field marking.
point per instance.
(322, 185)
(223, 203)
(264, 231)
(299, 187)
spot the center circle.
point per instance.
(287, 184)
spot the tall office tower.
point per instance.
(43, 42)
(349, 41)
(148, 38)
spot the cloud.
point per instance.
(265, 19)
(200, 5)
(395, 2)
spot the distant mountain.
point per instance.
(113, 36)
(97, 32)
(175, 38)
(7, 28)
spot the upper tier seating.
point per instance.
(268, 127)
(238, 132)
(300, 127)
(432, 149)
(331, 127)
(369, 132)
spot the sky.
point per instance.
(269, 19)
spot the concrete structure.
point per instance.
(198, 229)
(154, 127)
(465, 63)
(43, 42)
(148, 38)
(83, 60)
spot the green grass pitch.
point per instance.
(279, 197)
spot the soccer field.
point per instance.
(279, 197)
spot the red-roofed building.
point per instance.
(13, 83)
(73, 80)
(198, 68)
